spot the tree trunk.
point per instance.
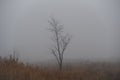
(60, 66)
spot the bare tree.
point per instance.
(60, 41)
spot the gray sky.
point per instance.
(94, 25)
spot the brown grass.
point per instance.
(13, 70)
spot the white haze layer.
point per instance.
(93, 24)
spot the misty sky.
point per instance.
(93, 24)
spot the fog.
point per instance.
(93, 24)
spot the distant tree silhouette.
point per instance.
(13, 56)
(60, 41)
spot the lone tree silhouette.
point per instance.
(60, 41)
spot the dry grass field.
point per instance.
(14, 70)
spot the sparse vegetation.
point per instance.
(13, 70)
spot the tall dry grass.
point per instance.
(11, 69)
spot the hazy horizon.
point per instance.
(93, 24)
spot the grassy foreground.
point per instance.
(14, 70)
